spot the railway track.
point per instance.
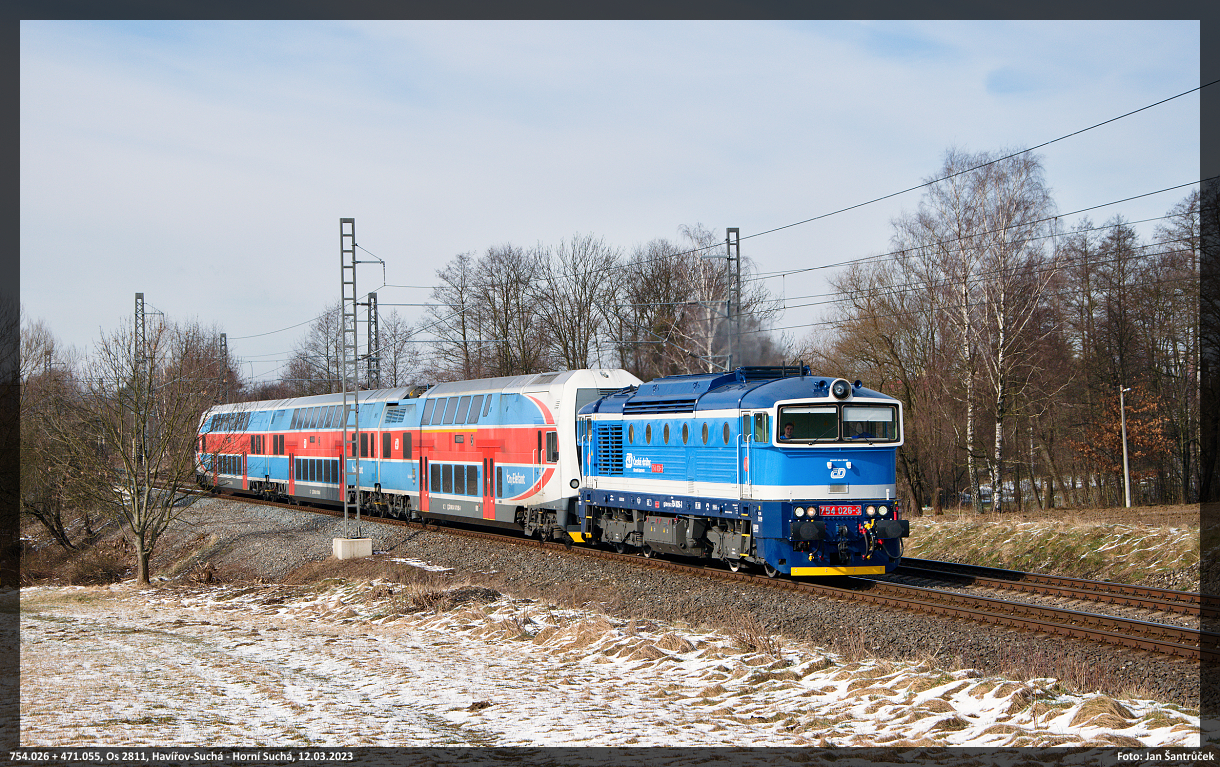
(1182, 642)
(1122, 594)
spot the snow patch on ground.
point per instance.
(356, 664)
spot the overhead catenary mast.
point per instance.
(349, 374)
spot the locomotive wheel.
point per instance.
(646, 553)
(735, 565)
(770, 571)
(620, 548)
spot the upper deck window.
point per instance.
(463, 406)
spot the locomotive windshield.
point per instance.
(833, 423)
(870, 423)
(809, 424)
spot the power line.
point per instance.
(770, 275)
(983, 165)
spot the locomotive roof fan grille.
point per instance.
(841, 389)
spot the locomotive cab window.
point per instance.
(762, 427)
(810, 423)
(870, 423)
(552, 447)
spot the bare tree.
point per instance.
(455, 320)
(132, 427)
(511, 317)
(400, 354)
(316, 365)
(52, 483)
(571, 287)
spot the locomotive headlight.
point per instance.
(871, 511)
(883, 510)
(799, 511)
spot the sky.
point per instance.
(207, 164)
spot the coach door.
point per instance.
(292, 474)
(423, 483)
(245, 471)
(489, 487)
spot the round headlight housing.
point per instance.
(871, 511)
(883, 510)
(800, 512)
(840, 389)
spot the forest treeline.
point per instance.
(1006, 334)
(1008, 339)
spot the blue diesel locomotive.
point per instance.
(770, 467)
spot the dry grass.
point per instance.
(97, 564)
(749, 634)
(1134, 547)
(1103, 712)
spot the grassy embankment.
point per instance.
(1153, 546)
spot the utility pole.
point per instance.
(1122, 409)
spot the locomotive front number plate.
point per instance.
(840, 511)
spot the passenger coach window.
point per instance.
(476, 405)
(428, 411)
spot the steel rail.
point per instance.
(1187, 602)
(1166, 600)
